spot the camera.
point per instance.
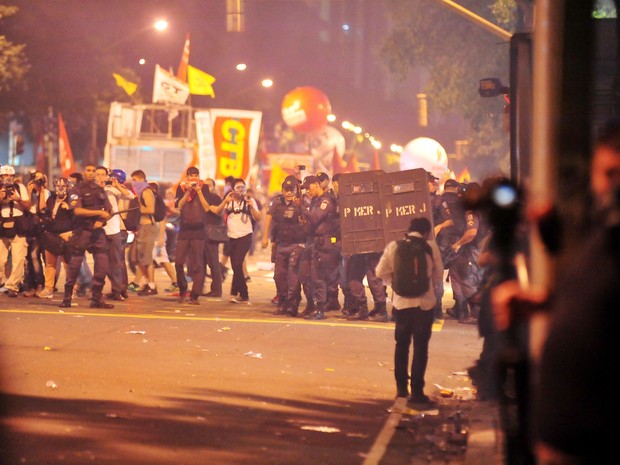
(7, 190)
(301, 167)
(109, 181)
(193, 184)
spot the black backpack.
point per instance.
(131, 219)
(410, 277)
(160, 208)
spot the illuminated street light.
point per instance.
(241, 67)
(161, 25)
(266, 83)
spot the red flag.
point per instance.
(376, 162)
(352, 165)
(39, 156)
(338, 166)
(182, 70)
(65, 155)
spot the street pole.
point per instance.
(489, 26)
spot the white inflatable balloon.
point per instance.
(427, 153)
(322, 145)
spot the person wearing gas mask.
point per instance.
(239, 209)
(58, 226)
(284, 224)
(14, 205)
(115, 191)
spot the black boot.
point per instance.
(379, 313)
(317, 314)
(332, 303)
(293, 308)
(463, 312)
(282, 306)
(310, 307)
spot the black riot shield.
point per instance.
(376, 207)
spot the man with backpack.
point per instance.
(413, 268)
(148, 231)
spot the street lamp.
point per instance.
(159, 25)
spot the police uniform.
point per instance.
(86, 236)
(464, 271)
(289, 235)
(325, 251)
(361, 265)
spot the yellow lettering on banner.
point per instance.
(230, 167)
(233, 143)
(346, 212)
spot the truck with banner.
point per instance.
(163, 139)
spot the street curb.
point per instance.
(485, 440)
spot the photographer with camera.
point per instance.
(14, 206)
(191, 200)
(34, 279)
(239, 209)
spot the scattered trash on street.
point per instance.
(51, 384)
(321, 429)
(135, 332)
(253, 354)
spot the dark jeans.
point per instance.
(192, 251)
(212, 260)
(97, 246)
(417, 325)
(238, 249)
(286, 272)
(115, 271)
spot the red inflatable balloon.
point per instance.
(305, 109)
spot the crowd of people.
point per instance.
(48, 228)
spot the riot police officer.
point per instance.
(285, 220)
(458, 242)
(91, 209)
(323, 242)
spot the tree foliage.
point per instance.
(13, 62)
(455, 53)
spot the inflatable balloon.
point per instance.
(305, 109)
(426, 153)
(322, 145)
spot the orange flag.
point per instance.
(376, 161)
(338, 166)
(65, 155)
(352, 165)
(182, 69)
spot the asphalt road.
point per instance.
(155, 382)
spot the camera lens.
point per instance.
(504, 196)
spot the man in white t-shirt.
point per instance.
(115, 191)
